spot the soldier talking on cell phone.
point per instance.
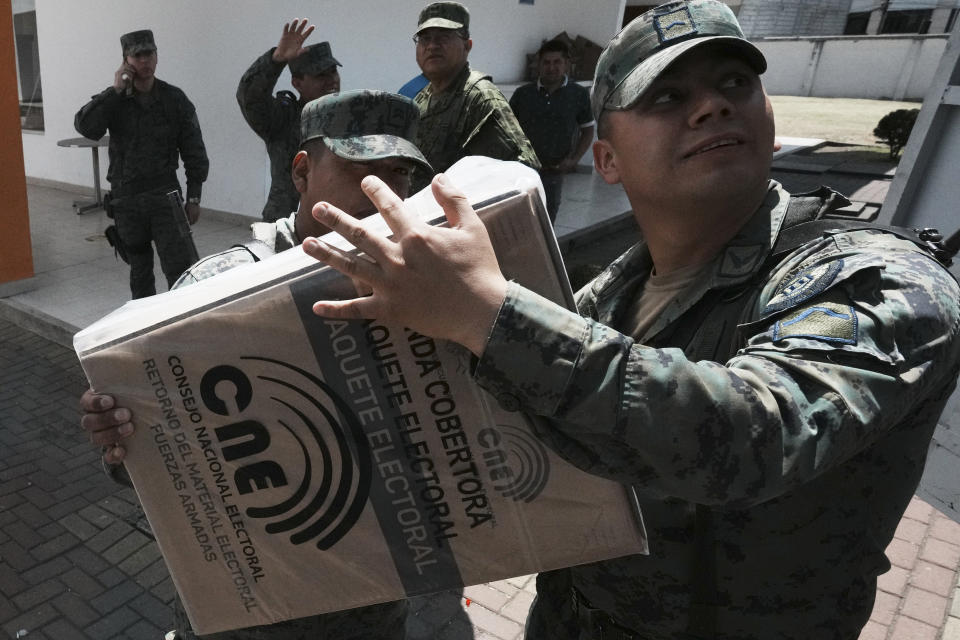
(151, 124)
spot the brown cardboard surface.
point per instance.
(291, 465)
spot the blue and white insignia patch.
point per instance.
(828, 321)
(803, 286)
(674, 24)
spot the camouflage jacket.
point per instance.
(781, 469)
(470, 118)
(147, 132)
(275, 236)
(276, 119)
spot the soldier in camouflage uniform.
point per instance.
(276, 119)
(765, 381)
(462, 113)
(330, 167)
(345, 137)
(151, 124)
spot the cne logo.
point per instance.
(321, 495)
(517, 463)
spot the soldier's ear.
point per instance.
(605, 161)
(299, 170)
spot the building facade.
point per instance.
(788, 18)
(878, 17)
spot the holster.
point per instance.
(108, 204)
(596, 624)
(113, 237)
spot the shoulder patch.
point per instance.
(287, 96)
(828, 321)
(803, 286)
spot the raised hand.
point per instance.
(441, 282)
(123, 78)
(291, 42)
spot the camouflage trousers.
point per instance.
(385, 621)
(144, 220)
(551, 615)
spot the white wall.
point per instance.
(204, 47)
(874, 67)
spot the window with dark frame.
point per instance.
(28, 70)
(951, 20)
(906, 21)
(857, 23)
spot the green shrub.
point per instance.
(894, 129)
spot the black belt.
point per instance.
(134, 187)
(597, 623)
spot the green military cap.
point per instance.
(444, 15)
(136, 41)
(648, 45)
(316, 59)
(364, 125)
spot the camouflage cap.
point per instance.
(444, 15)
(136, 41)
(648, 45)
(364, 125)
(316, 59)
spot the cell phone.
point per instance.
(128, 79)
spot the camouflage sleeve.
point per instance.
(93, 118)
(258, 105)
(214, 264)
(192, 150)
(492, 129)
(821, 377)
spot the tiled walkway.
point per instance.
(914, 597)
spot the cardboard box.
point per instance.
(291, 465)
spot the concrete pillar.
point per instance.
(938, 20)
(909, 68)
(810, 76)
(873, 25)
(16, 256)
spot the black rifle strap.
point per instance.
(257, 248)
(798, 235)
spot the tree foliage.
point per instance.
(894, 129)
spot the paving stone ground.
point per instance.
(74, 559)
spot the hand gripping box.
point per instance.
(291, 465)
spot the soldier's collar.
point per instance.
(752, 244)
(455, 85)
